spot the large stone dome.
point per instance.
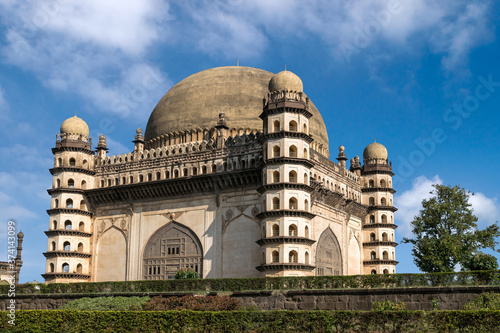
(375, 151)
(196, 101)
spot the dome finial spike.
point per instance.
(374, 139)
(285, 67)
(75, 113)
(237, 62)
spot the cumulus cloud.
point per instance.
(96, 49)
(485, 208)
(409, 202)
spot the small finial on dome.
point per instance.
(374, 139)
(341, 148)
(285, 67)
(75, 113)
(237, 62)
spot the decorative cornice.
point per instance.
(378, 189)
(79, 276)
(55, 211)
(168, 188)
(285, 186)
(380, 262)
(285, 267)
(65, 232)
(285, 240)
(287, 134)
(54, 171)
(66, 254)
(380, 207)
(285, 213)
(379, 225)
(289, 160)
(65, 190)
(74, 149)
(380, 243)
(338, 200)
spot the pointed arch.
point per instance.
(111, 256)
(328, 254)
(175, 244)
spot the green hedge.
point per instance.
(490, 278)
(252, 321)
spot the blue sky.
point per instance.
(420, 76)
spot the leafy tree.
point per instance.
(481, 262)
(446, 233)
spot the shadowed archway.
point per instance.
(172, 247)
(328, 254)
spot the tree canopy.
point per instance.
(446, 234)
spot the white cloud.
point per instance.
(409, 202)
(96, 49)
(485, 208)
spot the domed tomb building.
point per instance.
(231, 178)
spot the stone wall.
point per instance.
(448, 298)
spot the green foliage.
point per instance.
(251, 321)
(107, 303)
(485, 301)
(388, 306)
(481, 262)
(195, 303)
(186, 273)
(490, 278)
(446, 231)
(435, 304)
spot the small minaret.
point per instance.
(286, 218)
(356, 165)
(139, 141)
(69, 236)
(102, 148)
(378, 228)
(221, 130)
(341, 158)
(19, 261)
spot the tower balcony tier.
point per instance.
(66, 254)
(289, 160)
(378, 189)
(380, 262)
(380, 243)
(371, 169)
(285, 106)
(65, 232)
(285, 267)
(55, 211)
(375, 207)
(285, 213)
(379, 225)
(55, 171)
(76, 276)
(74, 146)
(286, 240)
(285, 186)
(286, 134)
(65, 190)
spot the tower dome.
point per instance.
(285, 80)
(74, 125)
(375, 151)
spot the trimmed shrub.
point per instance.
(196, 303)
(485, 301)
(489, 278)
(106, 303)
(251, 321)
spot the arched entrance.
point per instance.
(171, 248)
(328, 255)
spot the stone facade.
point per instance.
(224, 201)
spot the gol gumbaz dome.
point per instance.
(75, 125)
(375, 151)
